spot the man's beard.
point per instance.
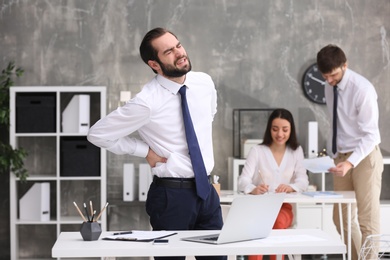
(173, 72)
(341, 78)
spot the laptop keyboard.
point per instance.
(211, 238)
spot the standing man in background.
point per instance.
(181, 196)
(353, 108)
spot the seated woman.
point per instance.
(275, 165)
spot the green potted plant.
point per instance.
(11, 159)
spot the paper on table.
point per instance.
(138, 235)
(318, 165)
(323, 194)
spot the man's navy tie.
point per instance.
(334, 141)
(201, 179)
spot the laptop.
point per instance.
(250, 217)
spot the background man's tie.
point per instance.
(201, 179)
(334, 142)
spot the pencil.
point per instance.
(105, 206)
(261, 178)
(81, 214)
(91, 207)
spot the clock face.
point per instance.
(314, 84)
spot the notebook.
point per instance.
(323, 194)
(250, 217)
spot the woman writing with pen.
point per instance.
(275, 165)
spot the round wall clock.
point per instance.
(314, 84)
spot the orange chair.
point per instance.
(283, 221)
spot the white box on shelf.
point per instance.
(35, 204)
(145, 179)
(234, 169)
(248, 144)
(75, 118)
(129, 187)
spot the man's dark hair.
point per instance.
(146, 49)
(292, 142)
(329, 58)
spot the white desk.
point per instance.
(348, 198)
(294, 242)
(227, 196)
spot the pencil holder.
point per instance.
(90, 231)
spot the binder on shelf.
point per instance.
(75, 118)
(145, 179)
(312, 139)
(35, 204)
(129, 187)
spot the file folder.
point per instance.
(75, 118)
(129, 184)
(145, 179)
(35, 204)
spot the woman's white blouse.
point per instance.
(261, 167)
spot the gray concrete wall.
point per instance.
(256, 52)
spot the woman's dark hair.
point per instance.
(292, 142)
(329, 58)
(146, 49)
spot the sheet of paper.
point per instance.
(318, 165)
(138, 235)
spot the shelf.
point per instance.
(31, 222)
(36, 178)
(80, 178)
(75, 169)
(76, 220)
(36, 134)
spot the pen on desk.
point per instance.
(81, 214)
(123, 233)
(105, 206)
(127, 238)
(86, 212)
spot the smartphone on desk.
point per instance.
(160, 242)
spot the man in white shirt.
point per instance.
(358, 159)
(156, 113)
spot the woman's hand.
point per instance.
(260, 189)
(284, 188)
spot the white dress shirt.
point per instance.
(357, 116)
(261, 168)
(156, 114)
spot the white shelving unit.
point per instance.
(37, 127)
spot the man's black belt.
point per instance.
(178, 183)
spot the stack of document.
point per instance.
(140, 236)
(323, 194)
(318, 165)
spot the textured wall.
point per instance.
(256, 52)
